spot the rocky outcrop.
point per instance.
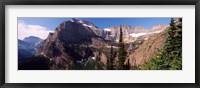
(148, 49)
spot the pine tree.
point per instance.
(170, 58)
(108, 64)
(170, 40)
(122, 52)
(110, 61)
(173, 45)
(127, 65)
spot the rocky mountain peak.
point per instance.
(159, 27)
(32, 40)
(84, 23)
(139, 29)
(76, 31)
(71, 41)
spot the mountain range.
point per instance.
(27, 46)
(76, 41)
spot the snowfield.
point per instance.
(142, 34)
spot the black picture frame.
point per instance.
(98, 2)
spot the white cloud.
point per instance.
(26, 30)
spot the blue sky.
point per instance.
(41, 27)
(52, 23)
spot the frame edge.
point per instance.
(197, 32)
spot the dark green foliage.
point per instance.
(170, 58)
(76, 66)
(110, 61)
(122, 54)
(89, 65)
(100, 49)
(78, 52)
(127, 66)
(92, 65)
(173, 47)
(34, 63)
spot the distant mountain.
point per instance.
(25, 49)
(131, 34)
(32, 40)
(112, 33)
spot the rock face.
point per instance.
(77, 40)
(131, 34)
(71, 41)
(113, 33)
(149, 48)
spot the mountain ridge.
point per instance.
(76, 41)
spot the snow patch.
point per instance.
(142, 34)
(80, 61)
(138, 34)
(107, 29)
(157, 31)
(72, 20)
(80, 21)
(87, 25)
(38, 42)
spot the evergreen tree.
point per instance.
(127, 65)
(170, 57)
(110, 61)
(170, 40)
(173, 45)
(121, 52)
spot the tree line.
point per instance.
(122, 55)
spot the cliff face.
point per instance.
(71, 41)
(148, 49)
(131, 34)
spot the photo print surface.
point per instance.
(48, 43)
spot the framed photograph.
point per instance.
(100, 43)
